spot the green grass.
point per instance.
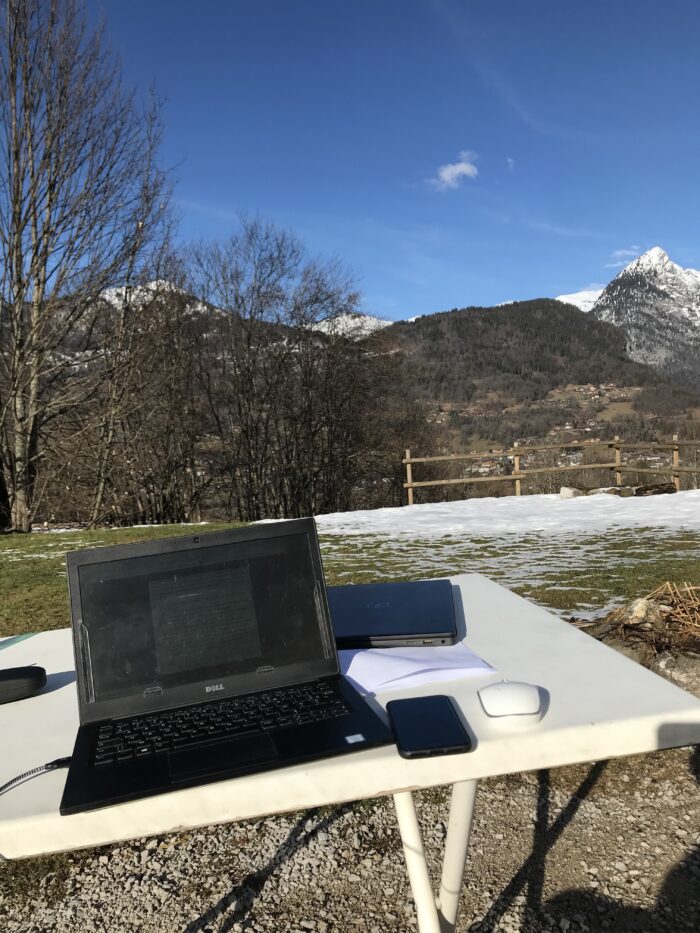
(583, 575)
(580, 576)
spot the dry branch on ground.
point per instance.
(667, 619)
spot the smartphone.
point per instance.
(425, 726)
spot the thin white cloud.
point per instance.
(510, 163)
(541, 225)
(206, 210)
(546, 226)
(622, 257)
(451, 174)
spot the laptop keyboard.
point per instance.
(218, 721)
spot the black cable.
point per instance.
(50, 766)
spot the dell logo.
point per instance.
(212, 688)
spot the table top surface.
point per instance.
(601, 705)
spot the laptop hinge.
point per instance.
(328, 648)
(87, 663)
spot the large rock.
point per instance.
(571, 492)
(646, 613)
(637, 620)
(654, 489)
(639, 651)
(613, 491)
(680, 669)
(660, 631)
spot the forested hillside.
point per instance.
(520, 351)
(502, 373)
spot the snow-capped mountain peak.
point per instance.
(653, 260)
(657, 303)
(352, 324)
(584, 299)
(657, 263)
(655, 269)
(139, 294)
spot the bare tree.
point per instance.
(154, 472)
(81, 199)
(260, 372)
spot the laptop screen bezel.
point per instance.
(95, 710)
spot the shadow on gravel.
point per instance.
(243, 895)
(531, 873)
(677, 909)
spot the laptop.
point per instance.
(393, 615)
(204, 657)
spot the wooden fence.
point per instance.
(519, 473)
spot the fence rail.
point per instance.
(516, 453)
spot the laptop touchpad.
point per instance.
(226, 758)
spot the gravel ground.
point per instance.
(607, 846)
(611, 846)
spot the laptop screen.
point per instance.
(156, 622)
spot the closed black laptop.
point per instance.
(393, 615)
(204, 657)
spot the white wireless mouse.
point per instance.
(511, 698)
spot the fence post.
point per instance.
(409, 476)
(516, 467)
(618, 461)
(676, 462)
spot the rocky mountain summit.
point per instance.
(657, 304)
(352, 324)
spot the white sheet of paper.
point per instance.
(373, 669)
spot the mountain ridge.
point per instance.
(656, 303)
(519, 371)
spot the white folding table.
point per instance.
(601, 705)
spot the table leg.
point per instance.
(437, 917)
(426, 911)
(456, 845)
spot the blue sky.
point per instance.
(449, 152)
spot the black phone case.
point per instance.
(455, 739)
(18, 683)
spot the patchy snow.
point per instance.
(583, 300)
(521, 515)
(352, 325)
(138, 295)
(557, 551)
